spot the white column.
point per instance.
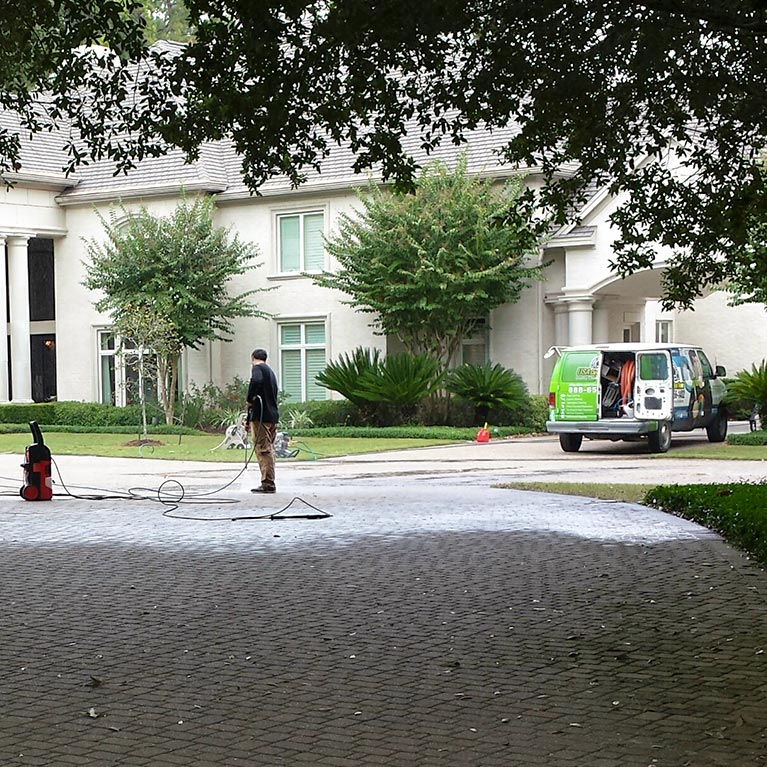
(561, 325)
(18, 284)
(4, 325)
(601, 325)
(579, 321)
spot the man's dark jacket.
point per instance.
(263, 384)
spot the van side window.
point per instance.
(705, 365)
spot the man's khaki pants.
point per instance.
(263, 439)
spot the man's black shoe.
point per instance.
(262, 489)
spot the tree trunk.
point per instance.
(142, 394)
(168, 377)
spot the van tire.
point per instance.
(660, 439)
(717, 429)
(570, 443)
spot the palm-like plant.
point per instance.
(487, 386)
(750, 386)
(402, 380)
(344, 375)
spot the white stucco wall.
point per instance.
(520, 333)
(32, 210)
(735, 337)
(289, 297)
(76, 317)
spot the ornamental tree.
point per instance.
(166, 281)
(662, 100)
(428, 265)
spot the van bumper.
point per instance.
(612, 429)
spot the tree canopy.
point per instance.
(166, 281)
(664, 100)
(428, 265)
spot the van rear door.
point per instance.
(575, 382)
(653, 386)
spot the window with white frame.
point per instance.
(302, 356)
(663, 331)
(301, 242)
(107, 368)
(119, 373)
(474, 348)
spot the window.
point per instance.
(119, 372)
(663, 330)
(301, 244)
(302, 356)
(705, 365)
(42, 301)
(653, 366)
(107, 367)
(474, 347)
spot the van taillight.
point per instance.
(552, 399)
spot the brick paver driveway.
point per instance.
(423, 624)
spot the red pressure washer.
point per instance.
(38, 485)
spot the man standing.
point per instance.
(263, 416)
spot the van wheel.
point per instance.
(570, 443)
(660, 439)
(717, 429)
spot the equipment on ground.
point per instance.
(38, 485)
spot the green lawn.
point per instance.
(718, 450)
(199, 447)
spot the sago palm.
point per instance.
(751, 386)
(487, 386)
(344, 375)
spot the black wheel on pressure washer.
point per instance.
(660, 439)
(570, 443)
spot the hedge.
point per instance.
(89, 414)
(752, 438)
(405, 432)
(738, 512)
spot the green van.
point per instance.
(634, 391)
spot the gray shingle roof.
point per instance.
(43, 155)
(219, 169)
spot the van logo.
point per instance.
(585, 372)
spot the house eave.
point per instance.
(351, 184)
(55, 182)
(162, 189)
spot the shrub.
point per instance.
(344, 375)
(536, 413)
(753, 438)
(43, 412)
(326, 412)
(404, 432)
(736, 511)
(207, 406)
(402, 381)
(750, 386)
(737, 409)
(77, 414)
(486, 387)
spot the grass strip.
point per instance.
(197, 447)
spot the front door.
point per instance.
(653, 386)
(43, 364)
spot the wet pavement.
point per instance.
(431, 619)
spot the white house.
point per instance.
(60, 346)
